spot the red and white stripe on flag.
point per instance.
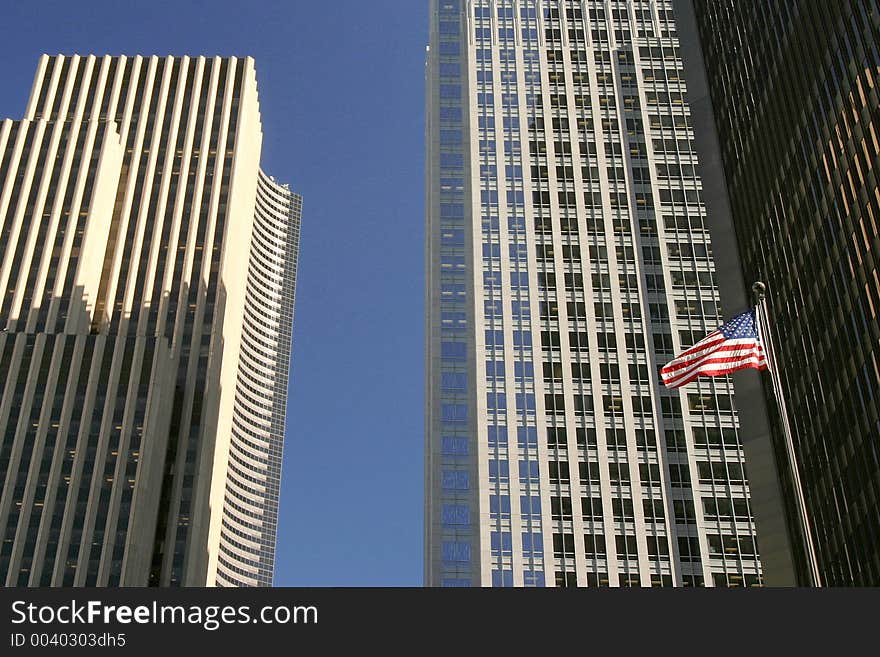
(735, 346)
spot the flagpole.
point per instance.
(766, 337)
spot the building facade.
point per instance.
(149, 267)
(793, 86)
(567, 259)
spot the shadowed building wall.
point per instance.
(793, 87)
(128, 201)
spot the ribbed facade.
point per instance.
(567, 259)
(128, 200)
(250, 510)
(794, 88)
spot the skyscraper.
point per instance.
(793, 86)
(568, 259)
(148, 268)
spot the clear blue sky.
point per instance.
(342, 98)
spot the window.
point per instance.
(560, 508)
(556, 438)
(627, 547)
(618, 473)
(594, 545)
(591, 508)
(563, 545)
(559, 472)
(622, 508)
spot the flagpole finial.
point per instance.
(759, 289)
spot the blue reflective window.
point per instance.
(527, 437)
(532, 543)
(452, 114)
(515, 198)
(453, 381)
(455, 514)
(488, 171)
(454, 446)
(499, 505)
(452, 289)
(520, 309)
(502, 578)
(456, 551)
(453, 350)
(455, 480)
(454, 413)
(492, 280)
(453, 320)
(494, 338)
(449, 582)
(516, 224)
(451, 237)
(449, 28)
(519, 251)
(507, 55)
(519, 279)
(491, 250)
(530, 505)
(497, 436)
(495, 369)
(528, 470)
(496, 401)
(493, 308)
(451, 261)
(451, 160)
(450, 70)
(501, 542)
(525, 401)
(450, 136)
(499, 469)
(450, 48)
(450, 210)
(524, 370)
(522, 338)
(533, 578)
(489, 197)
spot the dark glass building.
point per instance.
(793, 86)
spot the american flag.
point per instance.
(735, 346)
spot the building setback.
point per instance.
(148, 268)
(568, 259)
(793, 86)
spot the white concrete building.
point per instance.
(150, 268)
(568, 259)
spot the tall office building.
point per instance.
(148, 269)
(567, 260)
(794, 90)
